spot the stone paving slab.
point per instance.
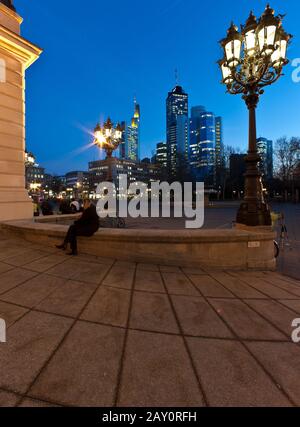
(149, 281)
(99, 332)
(282, 361)
(67, 299)
(209, 287)
(152, 312)
(245, 322)
(179, 284)
(232, 377)
(292, 304)
(276, 313)
(34, 403)
(236, 287)
(33, 291)
(268, 289)
(13, 278)
(30, 343)
(46, 263)
(157, 372)
(120, 277)
(108, 306)
(88, 376)
(5, 267)
(80, 270)
(11, 313)
(8, 399)
(197, 318)
(24, 258)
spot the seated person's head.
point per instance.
(86, 203)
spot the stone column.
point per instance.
(16, 55)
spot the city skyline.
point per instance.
(76, 102)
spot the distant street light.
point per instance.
(254, 59)
(108, 138)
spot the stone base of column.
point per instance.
(254, 214)
(15, 205)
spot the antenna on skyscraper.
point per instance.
(176, 76)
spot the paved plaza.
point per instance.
(99, 332)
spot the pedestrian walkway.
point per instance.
(90, 331)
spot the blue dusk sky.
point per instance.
(99, 54)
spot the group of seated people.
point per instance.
(66, 207)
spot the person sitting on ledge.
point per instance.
(86, 225)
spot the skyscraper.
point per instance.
(177, 129)
(207, 148)
(161, 154)
(202, 145)
(194, 149)
(133, 135)
(265, 150)
(219, 142)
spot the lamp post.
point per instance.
(108, 138)
(254, 58)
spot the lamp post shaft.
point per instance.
(253, 211)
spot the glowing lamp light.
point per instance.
(249, 33)
(108, 137)
(226, 72)
(278, 57)
(267, 30)
(232, 46)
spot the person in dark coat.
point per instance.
(86, 225)
(46, 208)
(64, 207)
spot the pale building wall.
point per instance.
(16, 54)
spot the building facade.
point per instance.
(194, 139)
(77, 184)
(207, 148)
(34, 174)
(161, 156)
(17, 55)
(265, 150)
(237, 172)
(136, 171)
(219, 142)
(202, 147)
(177, 129)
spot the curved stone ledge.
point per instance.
(220, 249)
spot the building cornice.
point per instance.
(24, 51)
(11, 13)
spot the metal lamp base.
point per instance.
(254, 214)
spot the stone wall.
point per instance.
(216, 249)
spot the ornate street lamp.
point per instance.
(254, 58)
(108, 138)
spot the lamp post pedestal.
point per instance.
(254, 211)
